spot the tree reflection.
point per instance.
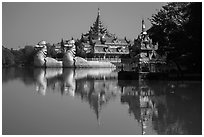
(26, 75)
(163, 107)
(183, 111)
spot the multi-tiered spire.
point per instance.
(98, 29)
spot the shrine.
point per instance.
(100, 43)
(148, 56)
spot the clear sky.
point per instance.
(28, 23)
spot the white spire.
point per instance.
(143, 25)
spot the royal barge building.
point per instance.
(100, 43)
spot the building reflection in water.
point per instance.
(95, 86)
(161, 107)
(142, 103)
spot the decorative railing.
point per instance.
(104, 59)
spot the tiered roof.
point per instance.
(102, 41)
(100, 34)
(97, 30)
(148, 52)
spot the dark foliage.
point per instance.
(21, 57)
(80, 48)
(178, 26)
(7, 57)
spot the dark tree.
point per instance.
(80, 49)
(7, 57)
(178, 26)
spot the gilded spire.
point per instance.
(98, 28)
(143, 25)
(98, 22)
(98, 12)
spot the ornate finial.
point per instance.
(143, 26)
(98, 12)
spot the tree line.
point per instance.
(177, 27)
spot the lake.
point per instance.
(93, 101)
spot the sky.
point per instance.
(27, 23)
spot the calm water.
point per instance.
(94, 101)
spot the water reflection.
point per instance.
(164, 107)
(97, 92)
(69, 81)
(160, 107)
(142, 103)
(95, 86)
